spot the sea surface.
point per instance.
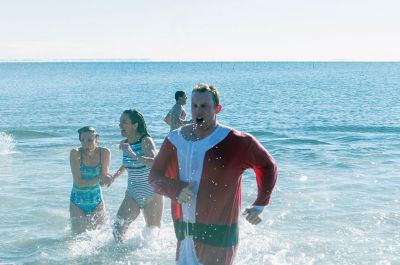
(333, 128)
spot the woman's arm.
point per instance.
(106, 177)
(74, 163)
(119, 172)
(148, 148)
(149, 152)
(106, 158)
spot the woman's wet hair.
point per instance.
(201, 88)
(137, 117)
(87, 129)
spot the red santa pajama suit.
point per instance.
(207, 226)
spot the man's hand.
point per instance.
(186, 194)
(252, 215)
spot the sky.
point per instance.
(207, 30)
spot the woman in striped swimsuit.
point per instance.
(89, 167)
(139, 151)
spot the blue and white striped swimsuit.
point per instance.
(138, 186)
(87, 198)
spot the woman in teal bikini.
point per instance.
(89, 167)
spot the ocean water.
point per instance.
(333, 128)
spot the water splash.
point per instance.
(303, 178)
(89, 243)
(7, 143)
(141, 244)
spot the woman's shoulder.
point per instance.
(104, 150)
(147, 143)
(75, 152)
(146, 139)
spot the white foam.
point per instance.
(89, 243)
(303, 178)
(7, 143)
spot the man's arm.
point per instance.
(266, 171)
(167, 118)
(164, 174)
(176, 120)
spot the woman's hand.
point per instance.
(106, 180)
(127, 148)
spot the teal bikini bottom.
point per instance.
(86, 198)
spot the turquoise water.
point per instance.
(332, 127)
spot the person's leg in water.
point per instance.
(81, 221)
(97, 218)
(127, 213)
(78, 219)
(153, 210)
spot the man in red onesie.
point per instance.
(200, 168)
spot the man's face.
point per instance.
(182, 100)
(204, 112)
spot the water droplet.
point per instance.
(303, 178)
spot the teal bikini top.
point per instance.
(88, 173)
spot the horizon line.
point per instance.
(146, 60)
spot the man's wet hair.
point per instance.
(201, 88)
(179, 94)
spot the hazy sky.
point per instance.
(206, 30)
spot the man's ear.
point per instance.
(219, 108)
